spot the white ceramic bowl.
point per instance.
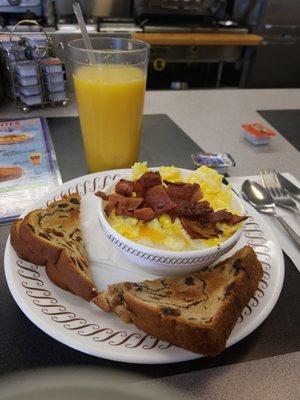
(168, 262)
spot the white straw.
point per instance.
(85, 36)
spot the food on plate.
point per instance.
(11, 138)
(164, 209)
(52, 236)
(196, 312)
(10, 173)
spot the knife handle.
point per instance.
(290, 230)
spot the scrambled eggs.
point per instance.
(161, 232)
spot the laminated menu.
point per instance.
(28, 166)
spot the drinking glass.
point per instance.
(110, 83)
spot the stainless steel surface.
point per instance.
(190, 28)
(176, 7)
(119, 27)
(276, 64)
(197, 54)
(292, 189)
(281, 198)
(260, 199)
(279, 23)
(279, 16)
(91, 28)
(95, 8)
(21, 6)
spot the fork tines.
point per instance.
(271, 183)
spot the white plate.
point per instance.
(84, 327)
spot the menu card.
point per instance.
(28, 166)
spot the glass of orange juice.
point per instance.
(110, 83)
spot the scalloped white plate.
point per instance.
(84, 327)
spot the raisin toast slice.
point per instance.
(21, 247)
(197, 311)
(52, 236)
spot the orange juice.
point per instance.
(110, 101)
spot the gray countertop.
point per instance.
(213, 120)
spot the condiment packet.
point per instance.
(218, 161)
(257, 133)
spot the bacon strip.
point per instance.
(225, 217)
(158, 199)
(150, 179)
(121, 204)
(124, 187)
(196, 210)
(196, 230)
(144, 214)
(183, 191)
(177, 199)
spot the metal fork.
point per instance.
(271, 182)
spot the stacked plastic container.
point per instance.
(28, 82)
(34, 77)
(53, 78)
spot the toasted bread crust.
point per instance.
(211, 339)
(64, 274)
(23, 248)
(204, 337)
(64, 257)
(38, 244)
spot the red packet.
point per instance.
(257, 133)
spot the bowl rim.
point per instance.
(166, 252)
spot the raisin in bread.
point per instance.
(52, 236)
(196, 312)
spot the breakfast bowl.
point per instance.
(162, 261)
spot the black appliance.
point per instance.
(178, 10)
(277, 61)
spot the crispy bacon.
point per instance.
(124, 187)
(183, 191)
(196, 230)
(145, 214)
(102, 195)
(158, 199)
(177, 199)
(237, 218)
(196, 210)
(127, 205)
(146, 182)
(112, 203)
(150, 179)
(121, 204)
(224, 216)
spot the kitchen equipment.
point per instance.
(260, 199)
(279, 23)
(176, 9)
(278, 194)
(21, 7)
(30, 78)
(292, 189)
(94, 8)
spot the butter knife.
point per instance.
(289, 187)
